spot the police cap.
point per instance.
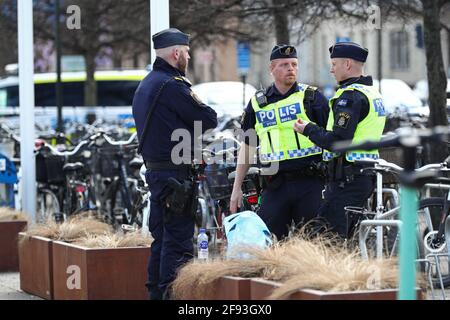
(283, 51)
(350, 50)
(170, 37)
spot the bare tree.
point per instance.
(432, 13)
(104, 24)
(8, 34)
(437, 79)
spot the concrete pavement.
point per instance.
(10, 288)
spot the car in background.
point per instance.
(227, 98)
(421, 91)
(398, 97)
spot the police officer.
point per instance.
(357, 115)
(294, 192)
(163, 103)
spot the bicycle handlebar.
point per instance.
(367, 145)
(404, 137)
(118, 143)
(383, 165)
(56, 152)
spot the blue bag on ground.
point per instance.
(245, 229)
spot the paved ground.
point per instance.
(10, 288)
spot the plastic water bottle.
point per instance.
(202, 245)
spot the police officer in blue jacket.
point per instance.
(293, 192)
(357, 115)
(162, 104)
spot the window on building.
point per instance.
(399, 50)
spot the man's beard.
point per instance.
(182, 64)
(290, 81)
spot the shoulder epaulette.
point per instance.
(183, 79)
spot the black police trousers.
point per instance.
(173, 245)
(339, 195)
(296, 200)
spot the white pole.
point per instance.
(26, 96)
(159, 20)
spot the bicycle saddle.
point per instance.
(73, 167)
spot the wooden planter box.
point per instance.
(261, 289)
(99, 274)
(35, 262)
(9, 235)
(231, 288)
(227, 288)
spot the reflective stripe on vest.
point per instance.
(274, 126)
(370, 128)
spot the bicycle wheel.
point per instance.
(390, 233)
(427, 209)
(47, 205)
(139, 205)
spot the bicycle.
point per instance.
(64, 187)
(411, 179)
(387, 240)
(113, 182)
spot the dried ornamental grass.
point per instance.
(49, 230)
(80, 227)
(69, 231)
(316, 263)
(135, 239)
(117, 240)
(8, 214)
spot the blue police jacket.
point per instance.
(177, 108)
(356, 108)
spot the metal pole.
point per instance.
(159, 20)
(58, 84)
(379, 211)
(408, 240)
(26, 96)
(244, 80)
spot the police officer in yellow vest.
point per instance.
(293, 191)
(357, 114)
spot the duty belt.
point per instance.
(299, 174)
(341, 170)
(293, 175)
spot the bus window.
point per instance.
(116, 93)
(13, 96)
(109, 93)
(73, 94)
(3, 97)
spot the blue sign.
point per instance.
(243, 57)
(267, 118)
(289, 113)
(342, 39)
(379, 107)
